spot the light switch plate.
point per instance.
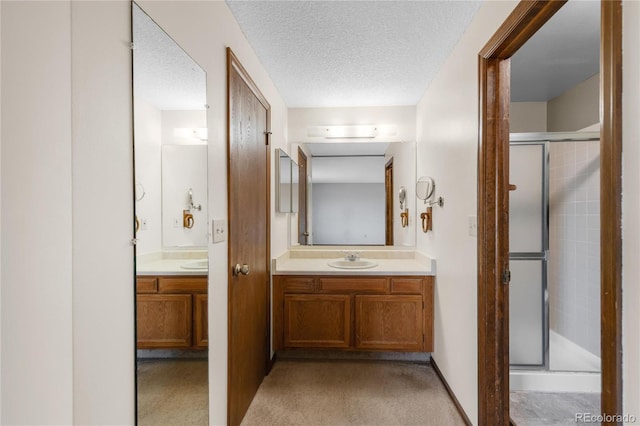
(219, 230)
(473, 226)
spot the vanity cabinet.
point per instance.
(171, 312)
(373, 313)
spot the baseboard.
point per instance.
(451, 394)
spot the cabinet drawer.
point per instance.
(406, 285)
(146, 285)
(361, 285)
(298, 284)
(182, 285)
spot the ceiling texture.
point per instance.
(352, 53)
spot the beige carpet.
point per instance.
(351, 393)
(173, 392)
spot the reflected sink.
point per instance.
(196, 264)
(352, 264)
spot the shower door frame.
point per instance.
(544, 139)
(533, 139)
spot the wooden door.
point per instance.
(248, 192)
(303, 226)
(388, 192)
(200, 320)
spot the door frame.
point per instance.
(234, 65)
(388, 196)
(493, 204)
(302, 200)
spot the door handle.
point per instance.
(240, 269)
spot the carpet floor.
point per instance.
(173, 392)
(351, 393)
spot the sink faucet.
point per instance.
(351, 256)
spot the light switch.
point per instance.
(473, 226)
(219, 230)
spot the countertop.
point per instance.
(169, 263)
(391, 261)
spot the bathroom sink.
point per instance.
(196, 264)
(352, 264)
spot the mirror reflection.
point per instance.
(352, 193)
(170, 140)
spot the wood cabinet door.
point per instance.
(200, 321)
(163, 320)
(389, 322)
(317, 321)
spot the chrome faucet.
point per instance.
(351, 256)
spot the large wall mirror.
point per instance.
(170, 139)
(351, 193)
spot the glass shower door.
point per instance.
(528, 246)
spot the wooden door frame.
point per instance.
(493, 205)
(303, 200)
(234, 65)
(388, 198)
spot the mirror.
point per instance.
(352, 189)
(425, 188)
(170, 140)
(284, 177)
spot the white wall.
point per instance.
(404, 117)
(103, 339)
(631, 207)
(204, 30)
(348, 213)
(404, 174)
(447, 135)
(184, 167)
(172, 119)
(527, 117)
(576, 108)
(148, 140)
(37, 229)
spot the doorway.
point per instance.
(249, 185)
(493, 210)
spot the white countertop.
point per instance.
(390, 261)
(169, 263)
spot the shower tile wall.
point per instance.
(574, 242)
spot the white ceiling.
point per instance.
(163, 74)
(565, 52)
(352, 53)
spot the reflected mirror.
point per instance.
(170, 139)
(352, 192)
(284, 178)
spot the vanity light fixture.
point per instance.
(352, 131)
(199, 133)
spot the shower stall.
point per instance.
(554, 310)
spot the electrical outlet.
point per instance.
(473, 226)
(219, 230)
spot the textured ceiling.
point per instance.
(565, 52)
(163, 74)
(352, 53)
